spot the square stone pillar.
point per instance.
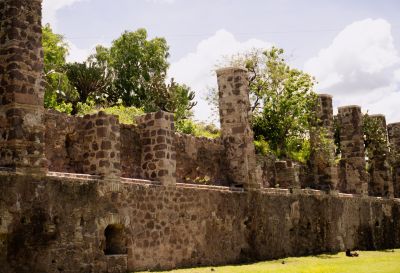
(101, 145)
(236, 132)
(394, 140)
(380, 183)
(21, 87)
(353, 175)
(158, 150)
(322, 158)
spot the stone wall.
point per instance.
(57, 224)
(324, 172)
(394, 139)
(200, 160)
(131, 152)
(236, 132)
(21, 87)
(63, 142)
(158, 148)
(353, 176)
(380, 183)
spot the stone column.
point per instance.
(353, 176)
(380, 183)
(101, 145)
(21, 87)
(158, 149)
(322, 159)
(394, 139)
(236, 132)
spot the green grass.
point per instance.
(367, 262)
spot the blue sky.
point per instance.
(352, 47)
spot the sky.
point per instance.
(352, 47)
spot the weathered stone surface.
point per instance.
(353, 177)
(394, 139)
(381, 183)
(59, 223)
(287, 175)
(322, 160)
(236, 132)
(97, 221)
(21, 87)
(158, 157)
(200, 160)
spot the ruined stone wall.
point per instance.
(200, 160)
(353, 177)
(323, 170)
(57, 224)
(381, 183)
(21, 87)
(394, 139)
(236, 132)
(131, 152)
(63, 142)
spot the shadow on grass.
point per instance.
(326, 256)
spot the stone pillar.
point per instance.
(158, 149)
(101, 145)
(322, 159)
(287, 175)
(380, 183)
(236, 132)
(394, 139)
(353, 176)
(21, 87)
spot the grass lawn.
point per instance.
(367, 262)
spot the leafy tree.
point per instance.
(138, 65)
(89, 81)
(282, 102)
(138, 68)
(55, 51)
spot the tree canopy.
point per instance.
(131, 73)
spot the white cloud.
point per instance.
(361, 66)
(50, 8)
(77, 54)
(197, 68)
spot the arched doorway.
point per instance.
(115, 240)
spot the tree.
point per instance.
(55, 51)
(138, 65)
(89, 81)
(138, 68)
(282, 101)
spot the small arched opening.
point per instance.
(115, 240)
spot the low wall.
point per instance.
(57, 224)
(198, 160)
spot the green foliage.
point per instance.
(57, 85)
(89, 81)
(132, 72)
(138, 67)
(283, 102)
(138, 64)
(262, 146)
(126, 115)
(190, 127)
(375, 137)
